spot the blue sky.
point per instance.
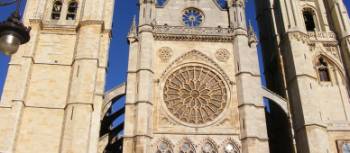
(124, 11)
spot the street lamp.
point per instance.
(13, 33)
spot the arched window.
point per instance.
(72, 10)
(209, 147)
(309, 19)
(164, 147)
(323, 70)
(230, 148)
(187, 147)
(56, 10)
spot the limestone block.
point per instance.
(83, 81)
(317, 139)
(77, 129)
(253, 123)
(89, 41)
(10, 86)
(130, 116)
(247, 88)
(100, 81)
(247, 57)
(104, 50)
(48, 86)
(6, 128)
(145, 87)
(55, 49)
(131, 88)
(40, 131)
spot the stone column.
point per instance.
(251, 107)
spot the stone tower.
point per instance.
(306, 56)
(193, 80)
(54, 90)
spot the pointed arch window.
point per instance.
(209, 147)
(187, 147)
(230, 147)
(56, 10)
(72, 10)
(164, 147)
(309, 19)
(323, 70)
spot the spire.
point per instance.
(251, 34)
(133, 29)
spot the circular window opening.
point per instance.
(192, 17)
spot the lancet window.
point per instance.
(72, 10)
(56, 10)
(309, 19)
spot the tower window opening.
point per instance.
(72, 10)
(56, 10)
(309, 20)
(323, 70)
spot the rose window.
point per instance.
(192, 17)
(195, 94)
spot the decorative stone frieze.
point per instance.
(179, 33)
(222, 55)
(165, 54)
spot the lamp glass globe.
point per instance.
(9, 44)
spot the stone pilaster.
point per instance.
(251, 108)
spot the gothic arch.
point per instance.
(206, 61)
(164, 145)
(186, 146)
(221, 4)
(72, 10)
(56, 9)
(333, 64)
(331, 60)
(209, 146)
(161, 3)
(230, 146)
(316, 16)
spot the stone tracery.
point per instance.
(195, 94)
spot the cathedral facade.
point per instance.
(193, 81)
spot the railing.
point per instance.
(322, 36)
(212, 31)
(197, 33)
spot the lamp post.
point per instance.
(12, 32)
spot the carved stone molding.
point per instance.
(164, 32)
(312, 37)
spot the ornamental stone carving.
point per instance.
(165, 54)
(222, 55)
(195, 94)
